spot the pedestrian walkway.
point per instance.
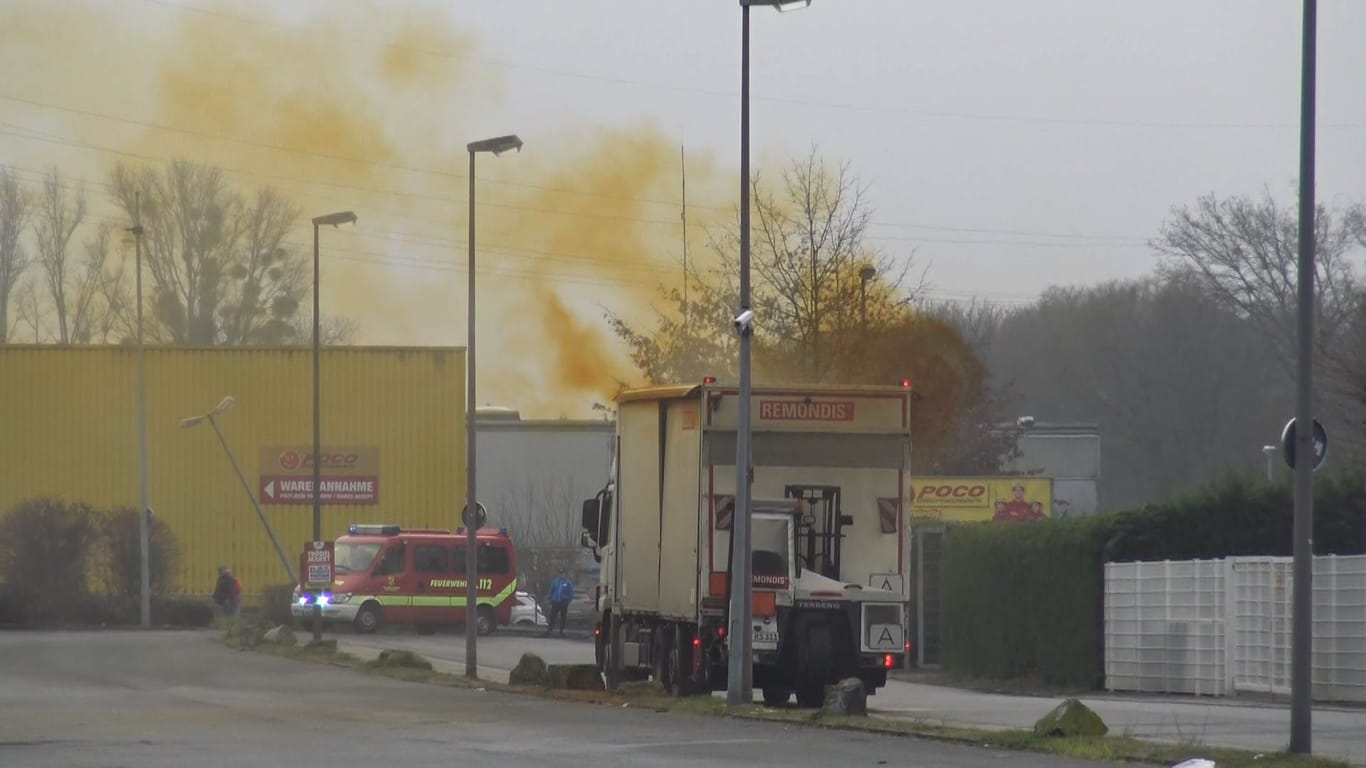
(1257, 725)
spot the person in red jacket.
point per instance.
(227, 594)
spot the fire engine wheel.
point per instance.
(485, 623)
(367, 619)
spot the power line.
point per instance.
(32, 135)
(726, 93)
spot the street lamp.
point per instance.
(144, 525)
(496, 146)
(225, 405)
(868, 272)
(740, 669)
(333, 219)
(1269, 450)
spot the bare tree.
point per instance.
(221, 271)
(1183, 389)
(1244, 253)
(14, 211)
(808, 256)
(541, 515)
(57, 220)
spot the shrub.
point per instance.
(182, 612)
(45, 552)
(276, 600)
(1236, 518)
(121, 556)
(1024, 600)
(13, 607)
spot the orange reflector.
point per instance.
(764, 604)
(717, 582)
(888, 661)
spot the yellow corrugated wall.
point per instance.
(69, 428)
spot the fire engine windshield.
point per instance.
(355, 557)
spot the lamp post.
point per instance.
(1302, 598)
(333, 219)
(1269, 451)
(496, 146)
(225, 405)
(868, 272)
(144, 525)
(740, 669)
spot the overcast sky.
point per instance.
(1009, 144)
(973, 121)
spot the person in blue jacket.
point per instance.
(561, 595)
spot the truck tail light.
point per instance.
(888, 661)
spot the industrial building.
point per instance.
(392, 432)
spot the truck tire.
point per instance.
(611, 675)
(367, 619)
(775, 696)
(662, 653)
(815, 664)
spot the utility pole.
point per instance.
(1301, 662)
(144, 507)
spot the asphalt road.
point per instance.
(1258, 725)
(132, 698)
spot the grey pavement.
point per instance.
(1249, 724)
(153, 699)
(1258, 725)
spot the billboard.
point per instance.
(980, 499)
(350, 475)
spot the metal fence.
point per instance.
(1218, 627)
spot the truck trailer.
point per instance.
(830, 561)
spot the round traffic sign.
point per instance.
(1320, 443)
(480, 513)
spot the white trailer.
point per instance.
(830, 556)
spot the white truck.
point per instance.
(830, 556)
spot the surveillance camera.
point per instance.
(744, 322)
(1025, 421)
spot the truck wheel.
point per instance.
(815, 664)
(367, 619)
(663, 657)
(611, 676)
(775, 696)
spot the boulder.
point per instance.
(846, 697)
(530, 670)
(1071, 718)
(575, 677)
(400, 658)
(281, 634)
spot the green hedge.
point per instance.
(1236, 517)
(1025, 600)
